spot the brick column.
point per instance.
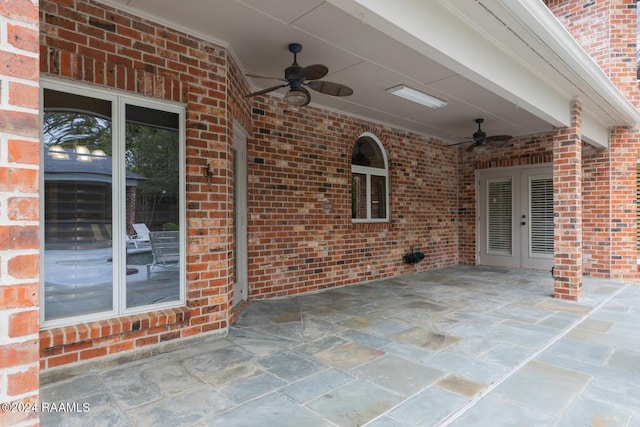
(567, 207)
(19, 214)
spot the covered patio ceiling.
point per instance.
(508, 61)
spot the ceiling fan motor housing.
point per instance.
(479, 135)
(292, 74)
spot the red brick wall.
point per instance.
(588, 22)
(90, 43)
(624, 144)
(19, 159)
(607, 31)
(300, 230)
(301, 237)
(567, 207)
(596, 201)
(596, 210)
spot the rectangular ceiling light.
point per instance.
(417, 96)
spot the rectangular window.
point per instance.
(113, 204)
(378, 193)
(359, 196)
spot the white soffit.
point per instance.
(514, 48)
(461, 42)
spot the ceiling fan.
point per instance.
(481, 140)
(296, 77)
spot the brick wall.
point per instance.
(301, 237)
(90, 43)
(588, 22)
(300, 230)
(596, 210)
(567, 207)
(596, 201)
(607, 30)
(19, 214)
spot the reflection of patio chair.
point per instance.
(136, 243)
(142, 232)
(165, 248)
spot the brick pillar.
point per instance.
(567, 206)
(19, 215)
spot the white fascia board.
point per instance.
(588, 77)
(436, 29)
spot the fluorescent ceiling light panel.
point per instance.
(417, 96)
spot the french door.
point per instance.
(515, 217)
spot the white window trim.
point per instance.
(637, 208)
(118, 101)
(369, 172)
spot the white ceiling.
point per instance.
(358, 55)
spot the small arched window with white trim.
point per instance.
(369, 180)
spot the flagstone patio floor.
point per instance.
(457, 346)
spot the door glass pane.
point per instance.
(499, 214)
(78, 227)
(152, 206)
(378, 193)
(541, 216)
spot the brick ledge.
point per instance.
(97, 339)
(64, 372)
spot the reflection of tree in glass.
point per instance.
(150, 152)
(69, 129)
(153, 153)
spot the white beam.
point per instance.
(515, 48)
(434, 29)
(594, 131)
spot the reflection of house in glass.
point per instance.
(78, 207)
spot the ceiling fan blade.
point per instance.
(460, 143)
(267, 90)
(313, 72)
(499, 137)
(258, 76)
(498, 143)
(330, 88)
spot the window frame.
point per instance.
(118, 100)
(369, 171)
(638, 211)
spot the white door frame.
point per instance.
(520, 177)
(240, 186)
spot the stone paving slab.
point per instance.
(460, 346)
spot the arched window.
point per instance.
(369, 180)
